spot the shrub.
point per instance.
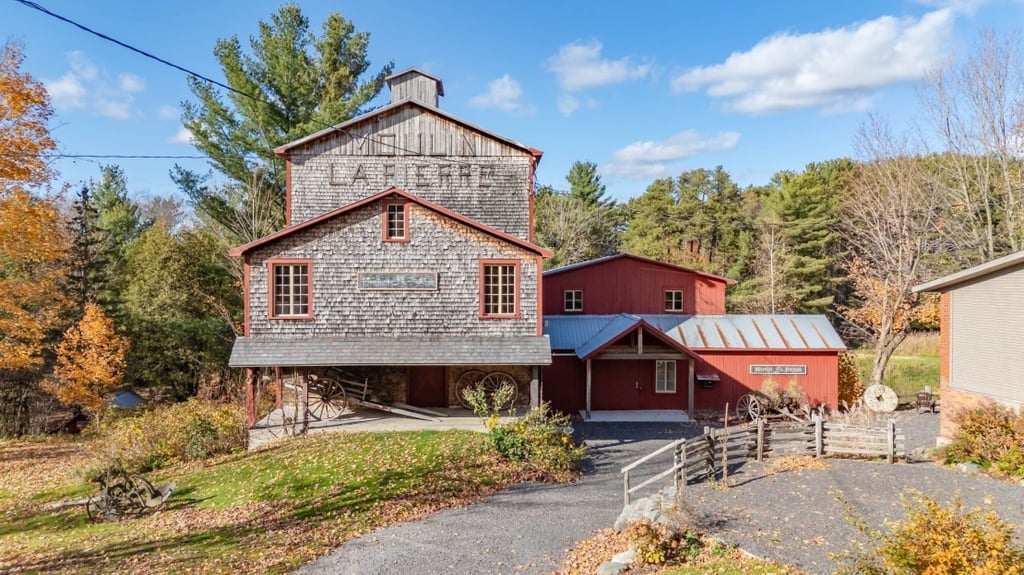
(192, 430)
(657, 543)
(486, 403)
(991, 436)
(936, 539)
(850, 387)
(541, 438)
(791, 395)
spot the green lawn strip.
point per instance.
(267, 511)
(732, 566)
(906, 375)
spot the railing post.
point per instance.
(760, 438)
(890, 435)
(677, 457)
(819, 436)
(625, 486)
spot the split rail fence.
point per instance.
(717, 450)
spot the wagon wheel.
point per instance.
(327, 399)
(748, 406)
(467, 380)
(97, 507)
(493, 383)
(878, 397)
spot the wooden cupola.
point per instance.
(413, 84)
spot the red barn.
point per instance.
(629, 333)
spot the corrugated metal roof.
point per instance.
(269, 352)
(618, 325)
(705, 331)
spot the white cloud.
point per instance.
(832, 70)
(503, 94)
(579, 66)
(182, 136)
(648, 159)
(89, 87)
(167, 112)
(567, 104)
(130, 83)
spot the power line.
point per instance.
(144, 53)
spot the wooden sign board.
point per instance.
(395, 281)
(778, 370)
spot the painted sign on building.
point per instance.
(778, 370)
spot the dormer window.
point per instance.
(573, 300)
(396, 222)
(674, 300)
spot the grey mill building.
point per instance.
(407, 257)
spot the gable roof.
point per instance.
(599, 261)
(952, 280)
(241, 250)
(417, 71)
(618, 327)
(384, 110)
(697, 332)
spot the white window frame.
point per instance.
(665, 374)
(672, 293)
(572, 300)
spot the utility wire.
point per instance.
(144, 53)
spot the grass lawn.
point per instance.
(914, 365)
(732, 566)
(264, 512)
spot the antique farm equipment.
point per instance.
(752, 406)
(327, 398)
(881, 398)
(491, 382)
(122, 494)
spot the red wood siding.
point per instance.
(625, 285)
(614, 385)
(733, 369)
(565, 382)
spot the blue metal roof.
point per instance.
(585, 333)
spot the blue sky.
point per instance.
(645, 89)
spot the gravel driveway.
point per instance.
(793, 517)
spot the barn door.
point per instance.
(427, 386)
(619, 384)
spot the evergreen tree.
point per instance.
(585, 184)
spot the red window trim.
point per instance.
(384, 220)
(682, 300)
(565, 309)
(518, 294)
(270, 287)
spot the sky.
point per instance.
(644, 89)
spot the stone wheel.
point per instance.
(494, 381)
(327, 398)
(748, 407)
(881, 398)
(467, 380)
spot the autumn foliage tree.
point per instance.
(90, 361)
(33, 242)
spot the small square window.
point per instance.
(573, 300)
(674, 300)
(665, 380)
(396, 224)
(290, 290)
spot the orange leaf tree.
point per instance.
(90, 361)
(33, 242)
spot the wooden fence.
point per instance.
(718, 450)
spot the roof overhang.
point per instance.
(403, 351)
(617, 329)
(613, 257)
(946, 282)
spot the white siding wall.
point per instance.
(987, 337)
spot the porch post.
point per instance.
(278, 389)
(588, 389)
(535, 386)
(250, 398)
(689, 389)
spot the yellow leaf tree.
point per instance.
(90, 361)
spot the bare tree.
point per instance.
(889, 223)
(976, 106)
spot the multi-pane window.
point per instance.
(573, 300)
(395, 228)
(665, 379)
(673, 300)
(499, 289)
(291, 290)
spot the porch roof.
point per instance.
(429, 350)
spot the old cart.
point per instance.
(756, 405)
(122, 494)
(491, 382)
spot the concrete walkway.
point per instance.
(522, 530)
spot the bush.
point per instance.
(991, 436)
(791, 395)
(935, 539)
(193, 430)
(657, 543)
(542, 439)
(850, 387)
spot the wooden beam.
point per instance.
(652, 356)
(534, 386)
(689, 389)
(588, 389)
(639, 341)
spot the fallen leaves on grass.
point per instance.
(29, 467)
(585, 558)
(795, 463)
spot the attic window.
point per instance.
(395, 222)
(674, 300)
(573, 300)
